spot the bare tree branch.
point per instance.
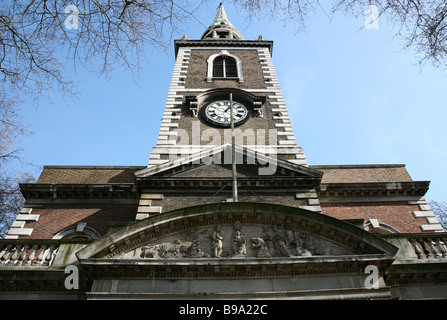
(35, 35)
(11, 200)
(420, 24)
(440, 210)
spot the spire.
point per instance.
(222, 28)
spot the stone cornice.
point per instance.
(372, 189)
(232, 268)
(224, 43)
(260, 183)
(417, 273)
(79, 191)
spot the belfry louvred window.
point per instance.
(224, 67)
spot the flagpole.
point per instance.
(233, 152)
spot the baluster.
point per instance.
(444, 243)
(56, 250)
(53, 253)
(6, 254)
(15, 255)
(416, 248)
(32, 256)
(49, 256)
(29, 255)
(428, 255)
(2, 250)
(26, 253)
(22, 255)
(433, 248)
(40, 257)
(442, 247)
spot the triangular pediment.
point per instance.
(217, 162)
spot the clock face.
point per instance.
(218, 113)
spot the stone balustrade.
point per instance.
(43, 253)
(29, 254)
(431, 247)
(38, 254)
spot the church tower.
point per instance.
(210, 74)
(206, 72)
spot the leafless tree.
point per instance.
(11, 128)
(11, 200)
(38, 37)
(420, 24)
(440, 210)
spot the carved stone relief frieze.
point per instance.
(237, 241)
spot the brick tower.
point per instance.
(208, 70)
(196, 132)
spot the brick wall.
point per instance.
(55, 218)
(398, 215)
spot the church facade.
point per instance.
(227, 207)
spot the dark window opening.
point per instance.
(230, 68)
(224, 67)
(218, 67)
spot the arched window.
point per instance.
(80, 231)
(224, 65)
(374, 226)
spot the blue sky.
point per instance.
(354, 97)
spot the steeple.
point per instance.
(222, 28)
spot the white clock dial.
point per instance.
(219, 113)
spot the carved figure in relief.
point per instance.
(280, 242)
(239, 245)
(149, 251)
(270, 243)
(259, 246)
(299, 247)
(217, 242)
(267, 237)
(195, 251)
(173, 250)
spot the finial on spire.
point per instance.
(222, 28)
(221, 14)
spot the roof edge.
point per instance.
(356, 166)
(91, 167)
